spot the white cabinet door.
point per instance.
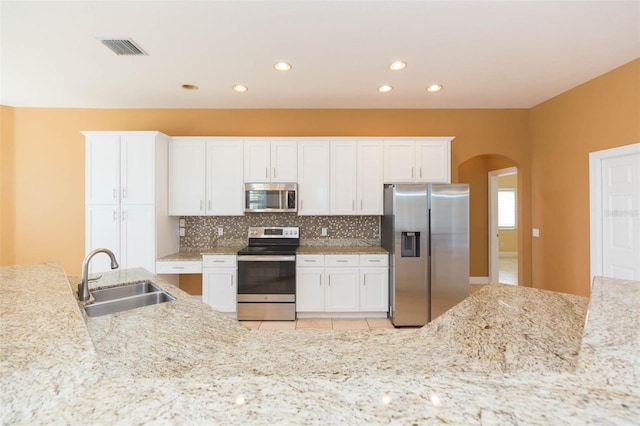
(137, 169)
(399, 161)
(187, 176)
(310, 290)
(313, 177)
(342, 290)
(374, 289)
(433, 161)
(137, 237)
(224, 179)
(284, 161)
(219, 288)
(103, 231)
(102, 167)
(344, 164)
(370, 178)
(257, 161)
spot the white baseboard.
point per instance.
(478, 280)
(508, 254)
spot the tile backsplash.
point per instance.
(202, 231)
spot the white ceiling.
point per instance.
(486, 54)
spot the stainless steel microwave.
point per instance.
(270, 197)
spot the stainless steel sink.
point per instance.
(126, 297)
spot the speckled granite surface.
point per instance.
(507, 355)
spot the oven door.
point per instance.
(266, 278)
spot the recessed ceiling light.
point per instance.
(385, 88)
(434, 88)
(397, 65)
(189, 87)
(239, 88)
(282, 66)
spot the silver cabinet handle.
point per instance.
(412, 172)
(177, 267)
(374, 260)
(353, 204)
(320, 280)
(124, 215)
(124, 193)
(341, 260)
(201, 205)
(115, 215)
(310, 260)
(266, 172)
(361, 205)
(274, 173)
(209, 204)
(115, 193)
(421, 172)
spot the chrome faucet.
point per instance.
(83, 287)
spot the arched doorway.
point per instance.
(476, 172)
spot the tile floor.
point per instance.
(321, 323)
(508, 270)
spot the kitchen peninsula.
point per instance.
(506, 355)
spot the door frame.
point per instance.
(595, 201)
(494, 270)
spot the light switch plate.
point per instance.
(323, 233)
(220, 231)
(181, 223)
(536, 232)
(182, 232)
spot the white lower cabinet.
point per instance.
(338, 285)
(220, 282)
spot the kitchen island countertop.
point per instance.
(506, 355)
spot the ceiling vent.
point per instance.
(124, 47)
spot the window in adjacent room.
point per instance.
(507, 208)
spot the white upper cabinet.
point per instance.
(270, 161)
(205, 177)
(370, 178)
(344, 162)
(120, 168)
(187, 176)
(313, 177)
(356, 177)
(423, 160)
(225, 190)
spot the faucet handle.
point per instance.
(95, 278)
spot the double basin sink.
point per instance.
(126, 297)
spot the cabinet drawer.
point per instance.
(374, 260)
(179, 267)
(217, 261)
(309, 260)
(341, 260)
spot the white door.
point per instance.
(103, 231)
(257, 161)
(313, 178)
(621, 216)
(343, 177)
(102, 185)
(284, 161)
(187, 176)
(342, 292)
(309, 289)
(219, 289)
(137, 171)
(374, 289)
(433, 161)
(369, 181)
(399, 161)
(137, 230)
(224, 179)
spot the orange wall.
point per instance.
(49, 154)
(602, 113)
(7, 187)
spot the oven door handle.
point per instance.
(252, 258)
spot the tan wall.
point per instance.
(508, 238)
(7, 187)
(602, 113)
(475, 173)
(49, 150)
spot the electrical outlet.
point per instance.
(220, 231)
(182, 232)
(323, 233)
(181, 223)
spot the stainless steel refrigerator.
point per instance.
(425, 228)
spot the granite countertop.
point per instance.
(506, 355)
(196, 254)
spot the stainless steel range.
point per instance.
(267, 274)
